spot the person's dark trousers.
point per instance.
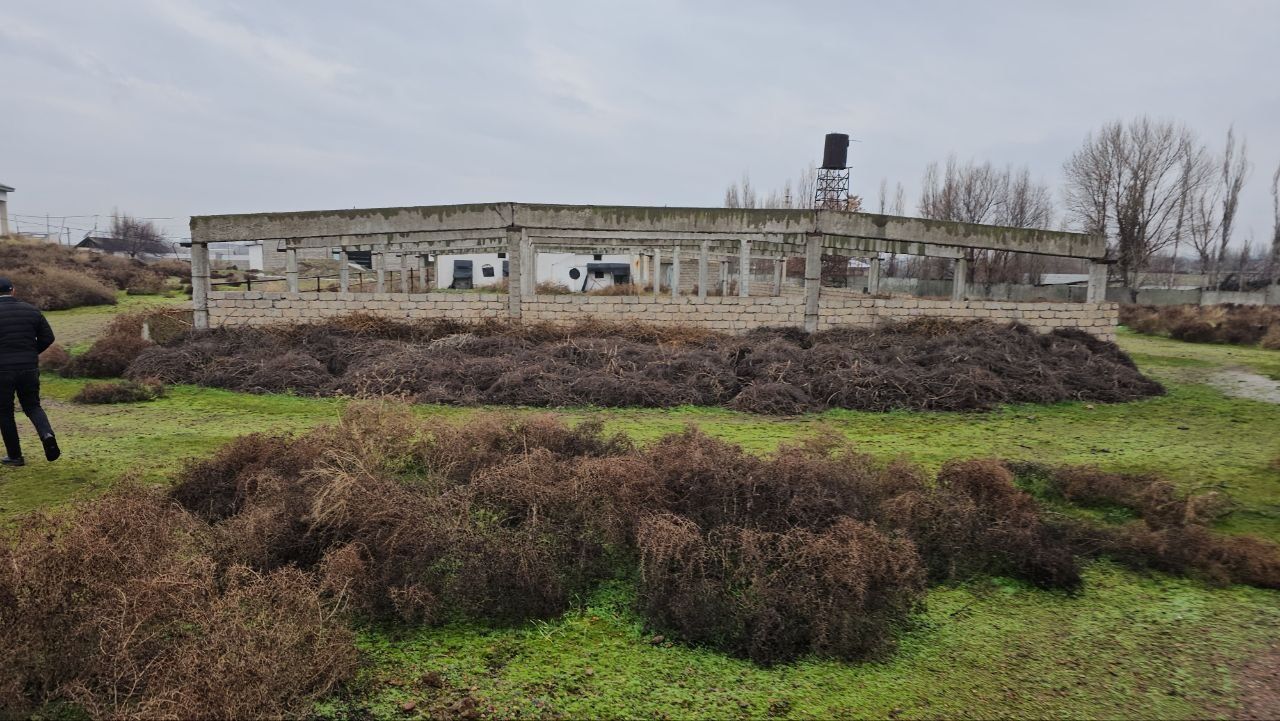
(26, 385)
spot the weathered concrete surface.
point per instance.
(787, 228)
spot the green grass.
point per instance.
(76, 328)
(1155, 351)
(1127, 646)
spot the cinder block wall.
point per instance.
(731, 314)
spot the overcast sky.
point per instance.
(178, 107)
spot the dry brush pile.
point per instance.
(924, 365)
(150, 604)
(1227, 323)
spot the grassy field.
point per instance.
(1128, 645)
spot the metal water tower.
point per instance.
(831, 191)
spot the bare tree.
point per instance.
(974, 193)
(1234, 169)
(137, 236)
(1194, 209)
(1124, 182)
(1273, 261)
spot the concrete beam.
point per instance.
(783, 225)
(965, 235)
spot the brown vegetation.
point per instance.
(118, 606)
(814, 548)
(56, 277)
(120, 343)
(1228, 323)
(927, 364)
(107, 392)
(54, 358)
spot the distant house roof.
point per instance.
(5, 189)
(109, 244)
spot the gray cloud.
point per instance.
(174, 107)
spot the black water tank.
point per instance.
(835, 153)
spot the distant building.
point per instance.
(4, 208)
(141, 249)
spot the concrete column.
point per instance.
(1097, 291)
(344, 273)
(514, 254)
(404, 274)
(644, 269)
(703, 275)
(675, 272)
(290, 268)
(423, 281)
(657, 272)
(961, 277)
(812, 280)
(779, 275)
(528, 266)
(4, 217)
(873, 276)
(744, 269)
(724, 277)
(200, 285)
(380, 270)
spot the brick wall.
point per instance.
(730, 314)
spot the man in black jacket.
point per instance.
(24, 334)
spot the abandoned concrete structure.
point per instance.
(683, 236)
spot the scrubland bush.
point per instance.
(1227, 323)
(108, 392)
(58, 289)
(267, 545)
(120, 343)
(55, 277)
(117, 605)
(54, 358)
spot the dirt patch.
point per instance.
(1259, 684)
(1243, 383)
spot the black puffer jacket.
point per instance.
(24, 334)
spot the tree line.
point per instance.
(1153, 188)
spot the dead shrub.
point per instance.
(1271, 339)
(977, 522)
(116, 606)
(58, 289)
(932, 365)
(145, 283)
(119, 392)
(54, 358)
(110, 355)
(771, 597)
(1227, 323)
(1189, 550)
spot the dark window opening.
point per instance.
(486, 270)
(502, 255)
(597, 257)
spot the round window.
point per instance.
(575, 273)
